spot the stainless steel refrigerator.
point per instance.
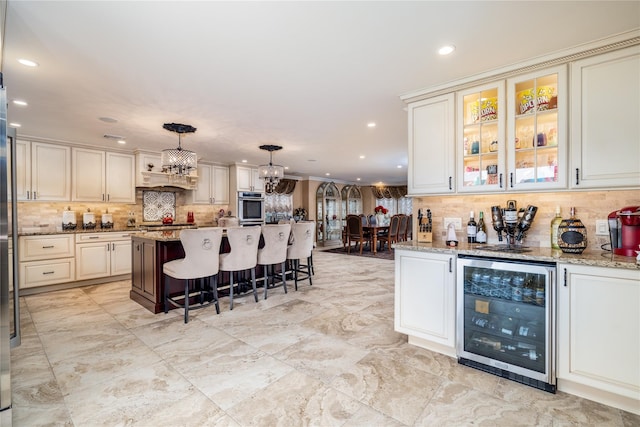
(9, 307)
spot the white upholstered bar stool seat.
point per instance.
(302, 248)
(201, 249)
(243, 255)
(276, 240)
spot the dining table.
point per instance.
(375, 230)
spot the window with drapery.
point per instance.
(394, 199)
(279, 204)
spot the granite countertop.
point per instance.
(48, 230)
(588, 257)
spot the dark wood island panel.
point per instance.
(149, 252)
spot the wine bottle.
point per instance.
(481, 234)
(472, 229)
(555, 223)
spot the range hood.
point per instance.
(162, 179)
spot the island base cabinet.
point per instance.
(599, 334)
(147, 258)
(425, 306)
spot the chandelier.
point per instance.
(176, 160)
(272, 174)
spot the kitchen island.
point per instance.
(150, 250)
(595, 302)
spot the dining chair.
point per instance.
(242, 256)
(392, 236)
(201, 249)
(276, 240)
(355, 233)
(302, 248)
(402, 228)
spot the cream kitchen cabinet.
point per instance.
(46, 260)
(431, 146)
(213, 185)
(43, 171)
(247, 179)
(598, 326)
(100, 176)
(102, 254)
(536, 130)
(605, 130)
(425, 299)
(481, 138)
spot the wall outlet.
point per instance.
(602, 227)
(456, 221)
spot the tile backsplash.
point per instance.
(590, 206)
(48, 215)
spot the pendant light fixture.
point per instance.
(178, 161)
(272, 174)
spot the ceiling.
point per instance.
(309, 76)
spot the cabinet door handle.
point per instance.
(94, 237)
(48, 247)
(103, 197)
(108, 197)
(113, 246)
(565, 277)
(48, 272)
(577, 176)
(450, 183)
(511, 179)
(450, 265)
(108, 247)
(35, 196)
(28, 195)
(500, 178)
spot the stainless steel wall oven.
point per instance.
(250, 208)
(506, 319)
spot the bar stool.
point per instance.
(276, 239)
(243, 255)
(201, 249)
(302, 248)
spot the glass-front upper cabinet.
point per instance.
(536, 133)
(481, 138)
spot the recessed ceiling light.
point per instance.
(327, 174)
(446, 50)
(122, 141)
(371, 124)
(399, 166)
(362, 156)
(20, 102)
(108, 120)
(28, 62)
(357, 179)
(15, 125)
(244, 160)
(116, 137)
(286, 168)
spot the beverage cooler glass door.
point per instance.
(506, 319)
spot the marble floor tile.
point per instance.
(322, 357)
(326, 355)
(458, 404)
(380, 382)
(235, 372)
(294, 400)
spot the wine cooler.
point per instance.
(506, 318)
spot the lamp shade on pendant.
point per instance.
(271, 174)
(178, 160)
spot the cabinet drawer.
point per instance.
(107, 236)
(34, 248)
(40, 273)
